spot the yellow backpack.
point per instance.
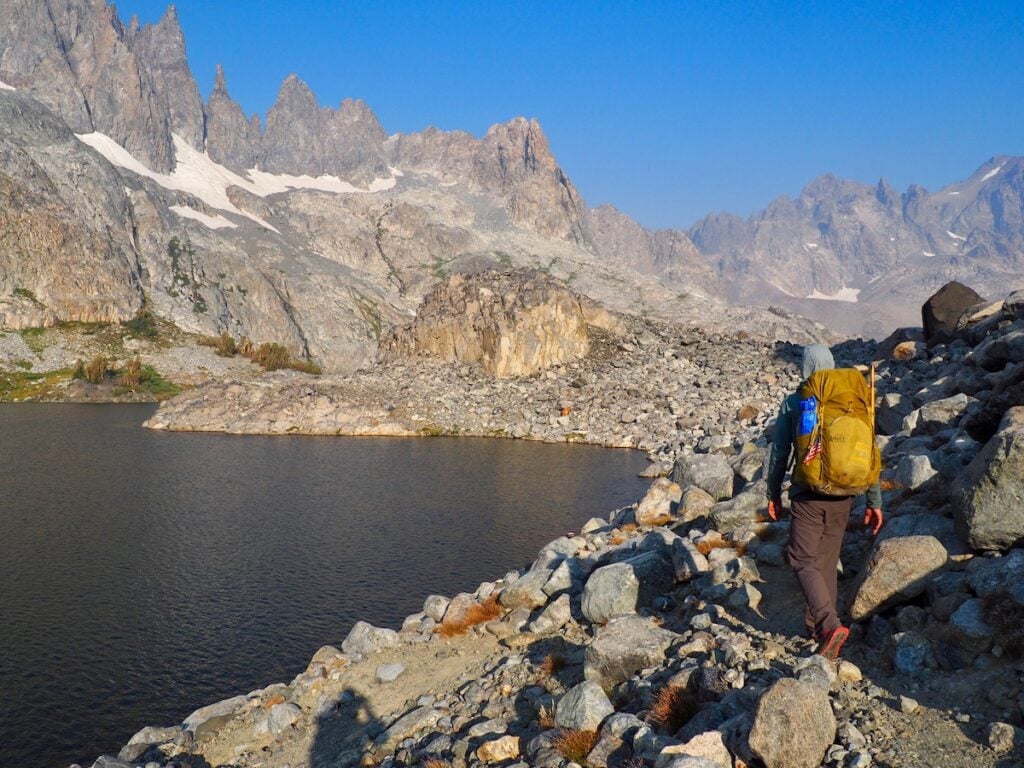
(836, 454)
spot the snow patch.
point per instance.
(955, 236)
(993, 172)
(892, 239)
(5, 87)
(843, 294)
(213, 222)
(953, 193)
(780, 288)
(395, 172)
(198, 175)
(929, 254)
(812, 246)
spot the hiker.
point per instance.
(819, 519)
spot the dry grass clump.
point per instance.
(673, 708)
(1007, 615)
(575, 745)
(552, 664)
(271, 356)
(623, 533)
(478, 613)
(131, 376)
(546, 718)
(707, 544)
(435, 762)
(94, 372)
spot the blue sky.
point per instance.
(667, 110)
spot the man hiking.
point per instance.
(829, 413)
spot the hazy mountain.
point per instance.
(862, 258)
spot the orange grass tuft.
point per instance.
(552, 664)
(436, 763)
(673, 708)
(575, 745)
(546, 718)
(478, 613)
(706, 545)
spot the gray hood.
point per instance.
(817, 357)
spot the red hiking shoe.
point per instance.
(832, 643)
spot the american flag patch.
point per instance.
(813, 452)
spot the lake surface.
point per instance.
(144, 574)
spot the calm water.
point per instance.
(143, 574)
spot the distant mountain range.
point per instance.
(120, 186)
(861, 257)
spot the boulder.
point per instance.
(282, 717)
(584, 707)
(148, 737)
(793, 725)
(943, 309)
(990, 513)
(912, 654)
(406, 726)
(527, 591)
(388, 673)
(893, 409)
(942, 414)
(623, 647)
(708, 471)
(617, 589)
(999, 350)
(499, 750)
(552, 618)
(687, 560)
(513, 323)
(218, 711)
(656, 507)
(696, 502)
(924, 524)
(707, 747)
(986, 576)
(886, 349)
(897, 571)
(914, 471)
(365, 639)
(744, 510)
(435, 606)
(968, 626)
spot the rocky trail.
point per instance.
(669, 633)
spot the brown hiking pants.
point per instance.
(815, 539)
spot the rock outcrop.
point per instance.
(66, 250)
(510, 323)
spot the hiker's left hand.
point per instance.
(873, 519)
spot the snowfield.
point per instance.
(198, 175)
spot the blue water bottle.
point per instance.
(808, 415)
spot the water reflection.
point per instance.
(143, 574)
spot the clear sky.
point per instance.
(667, 110)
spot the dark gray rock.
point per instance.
(943, 309)
(708, 471)
(623, 647)
(584, 707)
(365, 639)
(990, 514)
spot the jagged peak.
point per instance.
(220, 84)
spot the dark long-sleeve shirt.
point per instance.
(782, 448)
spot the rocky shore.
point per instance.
(668, 633)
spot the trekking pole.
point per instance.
(872, 390)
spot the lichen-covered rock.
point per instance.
(793, 725)
(619, 588)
